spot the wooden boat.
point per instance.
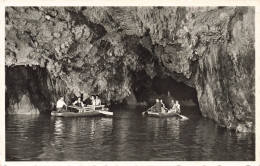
(163, 115)
(85, 111)
(97, 107)
(159, 115)
(82, 114)
(87, 108)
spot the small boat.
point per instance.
(163, 115)
(82, 114)
(158, 115)
(85, 111)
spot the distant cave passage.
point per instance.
(148, 90)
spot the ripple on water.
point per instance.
(127, 136)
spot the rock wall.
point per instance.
(31, 90)
(100, 50)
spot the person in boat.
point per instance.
(78, 103)
(91, 103)
(93, 100)
(97, 101)
(61, 105)
(163, 108)
(87, 101)
(172, 103)
(157, 106)
(173, 109)
(177, 107)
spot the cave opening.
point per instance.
(34, 86)
(148, 89)
(31, 90)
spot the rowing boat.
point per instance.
(163, 115)
(159, 115)
(88, 107)
(82, 114)
(76, 111)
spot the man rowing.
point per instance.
(78, 103)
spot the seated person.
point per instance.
(173, 109)
(97, 101)
(163, 105)
(60, 105)
(163, 109)
(172, 103)
(93, 101)
(87, 101)
(157, 106)
(177, 106)
(78, 103)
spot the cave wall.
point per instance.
(98, 50)
(225, 81)
(31, 90)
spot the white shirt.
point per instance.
(178, 106)
(60, 103)
(98, 102)
(93, 102)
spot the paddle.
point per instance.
(183, 117)
(147, 110)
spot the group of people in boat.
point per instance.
(95, 101)
(159, 107)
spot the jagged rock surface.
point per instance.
(99, 50)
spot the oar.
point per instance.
(146, 110)
(183, 117)
(72, 106)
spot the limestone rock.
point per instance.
(98, 50)
(23, 106)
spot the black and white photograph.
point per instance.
(130, 83)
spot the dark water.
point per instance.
(127, 136)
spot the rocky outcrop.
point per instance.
(101, 49)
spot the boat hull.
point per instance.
(73, 114)
(160, 115)
(82, 112)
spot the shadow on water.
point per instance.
(126, 136)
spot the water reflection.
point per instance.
(57, 143)
(127, 136)
(174, 127)
(21, 132)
